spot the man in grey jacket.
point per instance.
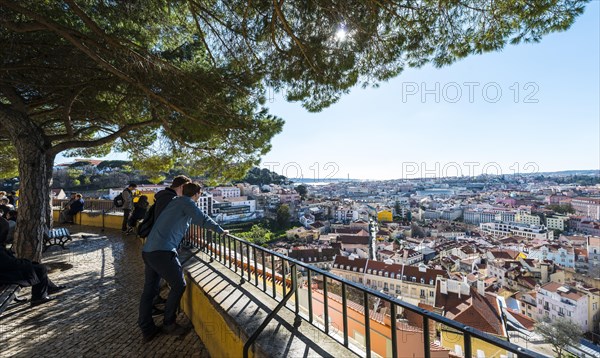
(127, 204)
(161, 259)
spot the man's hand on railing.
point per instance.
(225, 232)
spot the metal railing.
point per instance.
(279, 276)
(100, 205)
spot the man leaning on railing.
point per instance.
(161, 260)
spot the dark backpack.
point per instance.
(144, 228)
(118, 200)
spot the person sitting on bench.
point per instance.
(74, 206)
(24, 273)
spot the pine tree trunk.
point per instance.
(35, 175)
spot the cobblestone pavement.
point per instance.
(96, 315)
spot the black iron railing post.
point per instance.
(310, 306)
(345, 313)
(325, 306)
(467, 343)
(367, 324)
(394, 330)
(426, 341)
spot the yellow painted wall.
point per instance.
(149, 194)
(450, 339)
(93, 219)
(210, 326)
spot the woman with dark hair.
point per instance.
(139, 211)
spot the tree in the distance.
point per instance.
(302, 190)
(86, 77)
(560, 333)
(283, 216)
(257, 234)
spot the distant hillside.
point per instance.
(257, 176)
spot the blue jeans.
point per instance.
(157, 265)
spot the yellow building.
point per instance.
(385, 216)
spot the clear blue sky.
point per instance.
(389, 133)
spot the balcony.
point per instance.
(324, 302)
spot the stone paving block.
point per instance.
(96, 316)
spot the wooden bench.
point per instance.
(8, 292)
(58, 237)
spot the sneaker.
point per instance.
(147, 337)
(175, 329)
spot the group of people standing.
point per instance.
(175, 209)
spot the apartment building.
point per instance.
(205, 202)
(587, 206)
(226, 192)
(556, 300)
(556, 222)
(319, 257)
(477, 217)
(564, 256)
(501, 229)
(410, 282)
(528, 219)
(593, 251)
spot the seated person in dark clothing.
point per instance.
(26, 273)
(139, 211)
(73, 207)
(4, 229)
(8, 221)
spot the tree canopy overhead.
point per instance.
(87, 76)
